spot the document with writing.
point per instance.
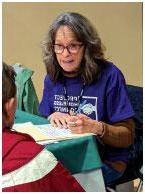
(46, 132)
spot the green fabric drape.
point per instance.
(27, 99)
(77, 155)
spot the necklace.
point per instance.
(71, 110)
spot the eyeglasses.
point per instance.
(72, 48)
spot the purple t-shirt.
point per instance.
(105, 100)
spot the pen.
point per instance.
(74, 113)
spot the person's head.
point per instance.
(72, 47)
(8, 95)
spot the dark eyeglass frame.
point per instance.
(79, 45)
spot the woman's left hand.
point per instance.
(83, 124)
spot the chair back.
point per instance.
(136, 150)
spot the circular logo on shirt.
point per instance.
(88, 109)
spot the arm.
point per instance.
(44, 106)
(120, 134)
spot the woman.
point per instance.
(86, 93)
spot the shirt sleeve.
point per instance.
(44, 106)
(118, 103)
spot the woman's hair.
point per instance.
(85, 33)
(8, 85)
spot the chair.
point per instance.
(135, 163)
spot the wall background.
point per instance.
(119, 25)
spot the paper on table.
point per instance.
(31, 130)
(46, 132)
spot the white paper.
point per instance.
(46, 133)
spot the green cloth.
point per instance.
(27, 99)
(77, 155)
(22, 117)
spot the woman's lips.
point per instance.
(67, 62)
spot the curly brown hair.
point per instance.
(85, 33)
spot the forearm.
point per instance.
(120, 134)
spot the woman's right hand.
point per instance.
(58, 119)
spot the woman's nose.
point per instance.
(65, 52)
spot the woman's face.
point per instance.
(68, 58)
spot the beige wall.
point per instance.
(119, 26)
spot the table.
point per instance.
(80, 156)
